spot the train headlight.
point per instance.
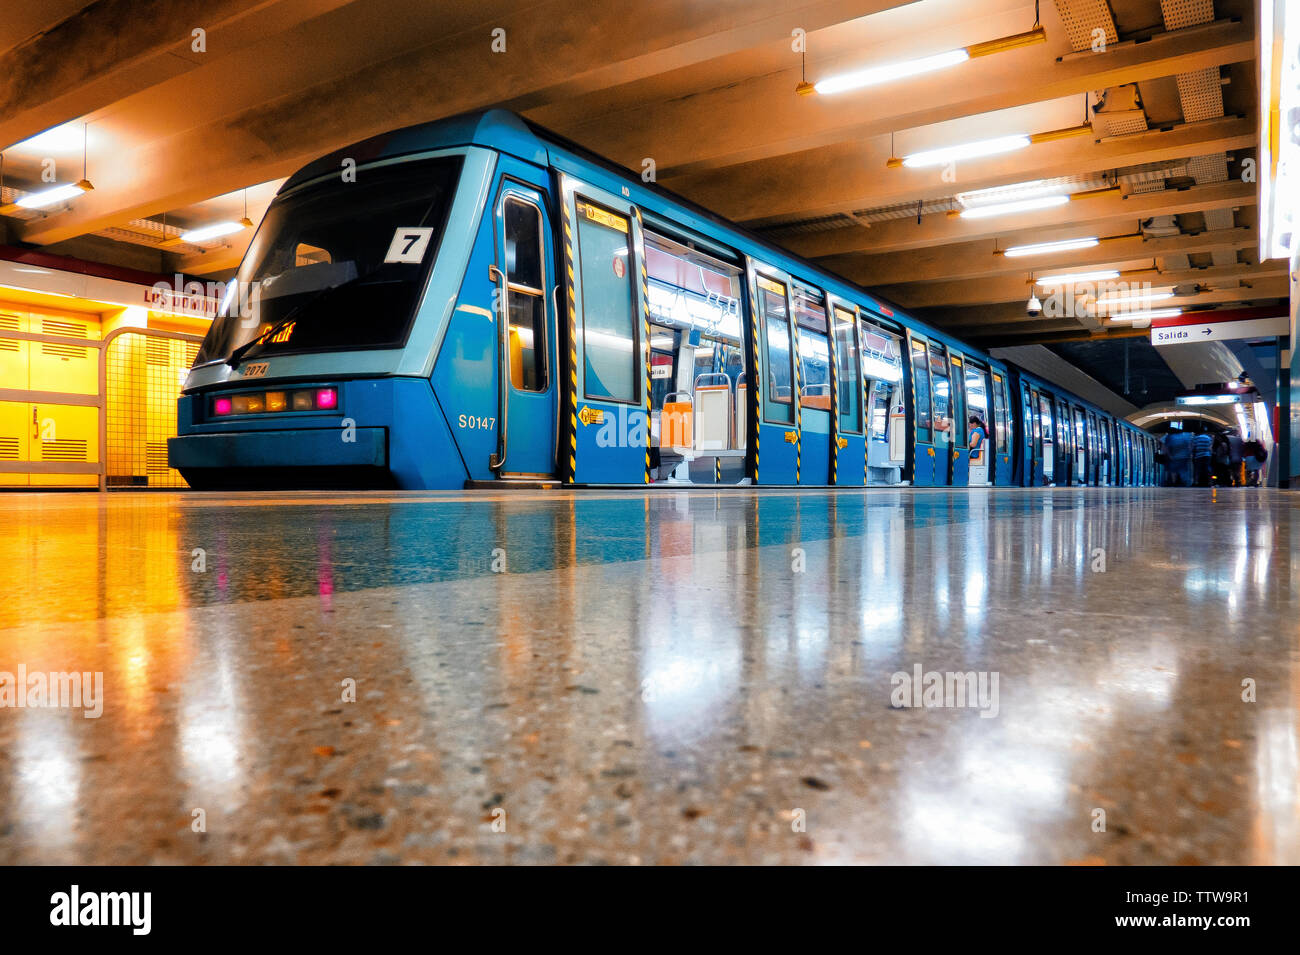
(251, 403)
(275, 402)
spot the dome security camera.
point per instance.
(1035, 307)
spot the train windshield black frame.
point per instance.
(341, 265)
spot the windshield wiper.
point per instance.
(237, 355)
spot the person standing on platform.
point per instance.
(1253, 463)
(1219, 461)
(1202, 455)
(1236, 455)
(1179, 448)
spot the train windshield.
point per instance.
(339, 265)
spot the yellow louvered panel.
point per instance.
(63, 449)
(64, 366)
(65, 328)
(63, 351)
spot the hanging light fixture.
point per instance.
(901, 69)
(984, 147)
(55, 194)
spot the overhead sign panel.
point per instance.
(1181, 331)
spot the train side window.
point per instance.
(921, 388)
(999, 415)
(525, 295)
(814, 351)
(610, 336)
(777, 403)
(848, 371)
(959, 417)
(882, 364)
(304, 254)
(941, 395)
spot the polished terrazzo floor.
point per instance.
(665, 677)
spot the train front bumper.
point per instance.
(322, 447)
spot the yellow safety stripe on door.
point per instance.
(835, 393)
(571, 473)
(795, 394)
(645, 330)
(866, 413)
(755, 379)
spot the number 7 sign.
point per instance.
(408, 245)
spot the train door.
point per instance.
(1064, 444)
(1000, 438)
(849, 443)
(1108, 453)
(1046, 445)
(924, 448)
(699, 406)
(959, 431)
(776, 381)
(886, 407)
(1030, 431)
(941, 393)
(608, 422)
(977, 402)
(812, 347)
(1092, 449)
(1080, 448)
(528, 403)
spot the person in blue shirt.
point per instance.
(1202, 457)
(975, 439)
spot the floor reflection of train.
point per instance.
(474, 301)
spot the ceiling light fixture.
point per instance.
(985, 147)
(215, 231)
(1017, 205)
(1151, 296)
(48, 197)
(888, 72)
(1021, 197)
(1145, 316)
(1070, 278)
(1043, 248)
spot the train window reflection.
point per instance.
(609, 325)
(921, 386)
(814, 351)
(777, 405)
(847, 370)
(525, 295)
(941, 394)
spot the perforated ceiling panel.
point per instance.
(1186, 13)
(1201, 94)
(1082, 17)
(1212, 168)
(1118, 124)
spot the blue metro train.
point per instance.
(476, 301)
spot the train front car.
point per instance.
(318, 370)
